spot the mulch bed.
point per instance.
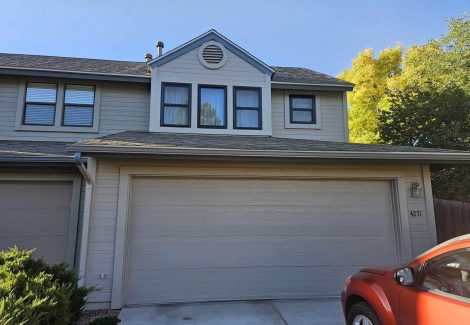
(91, 315)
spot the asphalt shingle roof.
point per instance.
(58, 63)
(240, 142)
(139, 69)
(12, 149)
(304, 75)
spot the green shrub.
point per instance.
(108, 320)
(33, 292)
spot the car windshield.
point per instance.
(450, 241)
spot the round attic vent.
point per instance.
(212, 55)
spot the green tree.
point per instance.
(432, 117)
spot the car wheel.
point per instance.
(363, 314)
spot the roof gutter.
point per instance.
(18, 71)
(310, 86)
(33, 159)
(452, 157)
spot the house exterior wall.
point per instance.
(103, 223)
(122, 107)
(188, 69)
(332, 119)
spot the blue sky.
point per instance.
(321, 35)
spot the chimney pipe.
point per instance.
(160, 46)
(148, 57)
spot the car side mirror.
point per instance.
(405, 276)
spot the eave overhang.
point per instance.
(422, 157)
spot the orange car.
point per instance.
(432, 289)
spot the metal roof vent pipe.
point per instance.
(148, 58)
(160, 46)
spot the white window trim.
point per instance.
(289, 125)
(59, 109)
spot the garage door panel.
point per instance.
(278, 220)
(36, 214)
(28, 221)
(49, 247)
(35, 195)
(224, 284)
(224, 239)
(259, 192)
(186, 252)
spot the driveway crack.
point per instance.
(278, 313)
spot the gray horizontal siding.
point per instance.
(123, 107)
(332, 119)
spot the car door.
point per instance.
(441, 292)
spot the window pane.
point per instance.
(212, 107)
(302, 116)
(449, 274)
(247, 98)
(41, 93)
(175, 116)
(39, 114)
(75, 94)
(247, 118)
(78, 115)
(176, 95)
(302, 102)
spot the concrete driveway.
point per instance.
(282, 312)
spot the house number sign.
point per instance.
(416, 213)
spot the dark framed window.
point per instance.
(247, 108)
(176, 105)
(79, 103)
(40, 103)
(212, 106)
(302, 109)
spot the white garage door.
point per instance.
(36, 215)
(230, 239)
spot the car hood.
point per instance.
(379, 269)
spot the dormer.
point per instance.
(210, 85)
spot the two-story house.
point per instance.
(203, 174)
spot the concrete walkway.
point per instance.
(282, 312)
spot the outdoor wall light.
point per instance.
(416, 190)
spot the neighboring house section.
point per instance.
(203, 174)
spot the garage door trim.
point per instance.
(401, 230)
(74, 204)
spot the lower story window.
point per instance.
(247, 108)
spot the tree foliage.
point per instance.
(372, 77)
(420, 99)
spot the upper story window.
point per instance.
(79, 102)
(247, 108)
(40, 104)
(302, 109)
(176, 105)
(212, 112)
(58, 106)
